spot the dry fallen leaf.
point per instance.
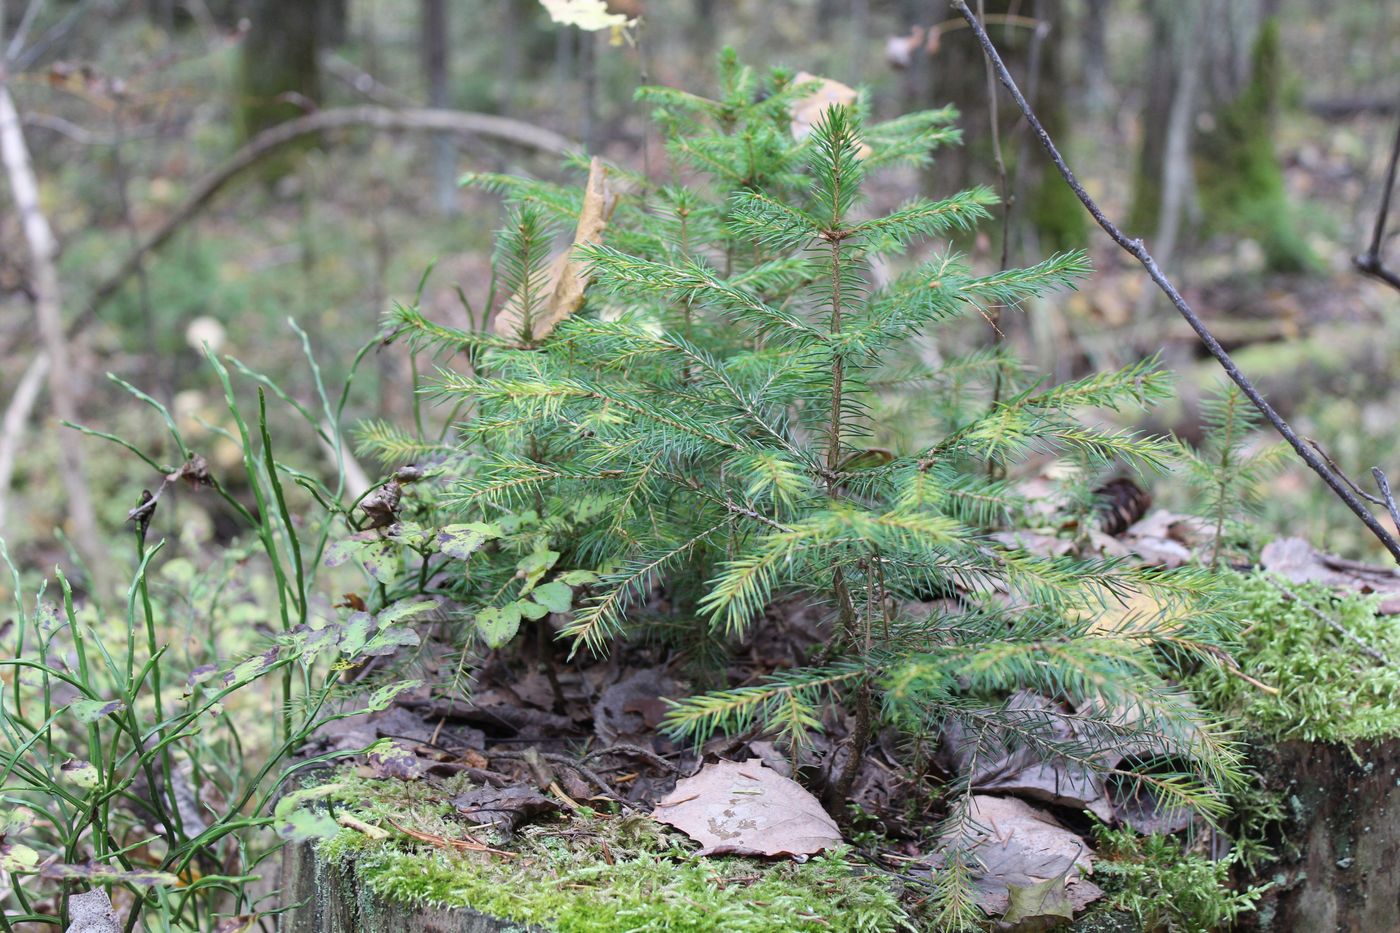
(807, 111)
(92, 912)
(1298, 561)
(1003, 767)
(1017, 849)
(748, 809)
(566, 277)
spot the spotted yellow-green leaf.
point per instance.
(498, 625)
(80, 773)
(381, 698)
(93, 710)
(462, 541)
(389, 641)
(356, 632)
(405, 609)
(17, 858)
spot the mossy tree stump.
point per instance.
(330, 898)
(1340, 842)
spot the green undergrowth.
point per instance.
(589, 872)
(1330, 689)
(1165, 888)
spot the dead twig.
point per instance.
(568, 762)
(1137, 249)
(461, 845)
(270, 141)
(1369, 262)
(635, 751)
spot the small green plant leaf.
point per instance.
(305, 826)
(16, 858)
(389, 641)
(405, 609)
(381, 698)
(535, 565)
(554, 596)
(253, 668)
(532, 610)
(381, 559)
(498, 625)
(356, 633)
(578, 577)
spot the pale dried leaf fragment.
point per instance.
(92, 913)
(588, 15)
(748, 809)
(807, 111)
(566, 277)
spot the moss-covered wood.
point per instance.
(331, 898)
(1340, 841)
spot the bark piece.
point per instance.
(748, 809)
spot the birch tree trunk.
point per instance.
(43, 251)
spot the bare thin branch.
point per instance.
(274, 139)
(1369, 262)
(1138, 250)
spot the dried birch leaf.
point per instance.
(748, 809)
(566, 277)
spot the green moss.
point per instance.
(593, 873)
(1329, 689)
(1163, 887)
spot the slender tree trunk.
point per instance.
(513, 39)
(48, 309)
(1098, 89)
(435, 70)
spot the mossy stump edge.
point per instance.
(1340, 851)
(330, 898)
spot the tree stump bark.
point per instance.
(1340, 843)
(331, 899)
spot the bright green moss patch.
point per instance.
(1329, 688)
(593, 873)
